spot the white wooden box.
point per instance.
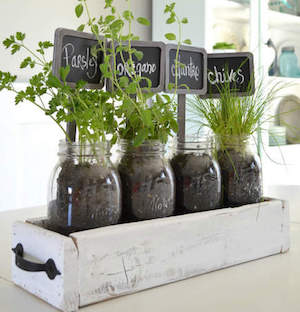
(108, 262)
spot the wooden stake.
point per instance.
(71, 130)
(181, 117)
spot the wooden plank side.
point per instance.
(285, 226)
(127, 258)
(40, 245)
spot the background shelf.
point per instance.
(231, 11)
(284, 21)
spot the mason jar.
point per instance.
(148, 185)
(240, 171)
(197, 174)
(288, 63)
(84, 189)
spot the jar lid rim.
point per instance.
(78, 144)
(288, 49)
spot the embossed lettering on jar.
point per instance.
(85, 189)
(197, 174)
(148, 185)
(240, 170)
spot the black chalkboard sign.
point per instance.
(191, 72)
(73, 48)
(151, 66)
(234, 68)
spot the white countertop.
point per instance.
(271, 284)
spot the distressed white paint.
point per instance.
(40, 245)
(127, 258)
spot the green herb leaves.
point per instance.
(79, 10)
(141, 115)
(233, 116)
(27, 62)
(187, 41)
(169, 8)
(141, 136)
(170, 36)
(63, 72)
(129, 110)
(20, 36)
(81, 27)
(93, 111)
(184, 20)
(143, 21)
(127, 15)
(172, 18)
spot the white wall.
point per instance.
(28, 140)
(39, 19)
(28, 143)
(194, 10)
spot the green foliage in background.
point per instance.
(224, 46)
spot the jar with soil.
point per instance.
(84, 189)
(148, 185)
(197, 174)
(240, 171)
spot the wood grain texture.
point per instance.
(107, 262)
(127, 258)
(40, 245)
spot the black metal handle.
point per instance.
(49, 267)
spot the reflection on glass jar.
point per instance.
(240, 171)
(147, 181)
(198, 179)
(85, 190)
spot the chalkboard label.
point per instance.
(234, 68)
(73, 48)
(191, 72)
(151, 66)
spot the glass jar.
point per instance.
(284, 6)
(240, 171)
(197, 174)
(288, 63)
(148, 185)
(84, 189)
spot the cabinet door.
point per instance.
(29, 145)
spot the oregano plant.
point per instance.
(142, 114)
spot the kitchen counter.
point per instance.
(268, 284)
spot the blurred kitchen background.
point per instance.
(268, 28)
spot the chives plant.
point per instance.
(232, 117)
(234, 120)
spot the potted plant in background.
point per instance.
(224, 47)
(85, 189)
(234, 121)
(146, 120)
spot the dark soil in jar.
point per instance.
(88, 196)
(198, 182)
(147, 186)
(241, 178)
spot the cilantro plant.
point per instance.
(143, 115)
(92, 110)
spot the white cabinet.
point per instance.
(29, 143)
(249, 26)
(209, 22)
